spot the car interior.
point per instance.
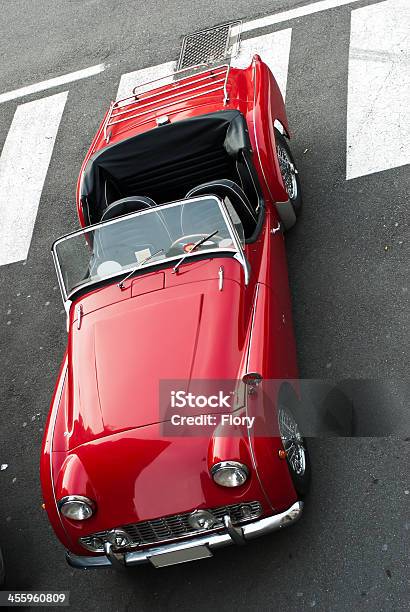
(205, 155)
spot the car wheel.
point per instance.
(289, 172)
(297, 455)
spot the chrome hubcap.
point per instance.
(292, 441)
(288, 172)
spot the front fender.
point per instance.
(272, 471)
(50, 460)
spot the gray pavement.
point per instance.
(350, 296)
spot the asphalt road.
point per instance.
(351, 549)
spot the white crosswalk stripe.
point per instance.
(378, 135)
(138, 77)
(274, 48)
(378, 128)
(28, 90)
(295, 13)
(23, 167)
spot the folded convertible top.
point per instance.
(167, 161)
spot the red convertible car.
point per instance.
(178, 274)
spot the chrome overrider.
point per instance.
(232, 535)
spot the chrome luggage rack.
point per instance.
(141, 102)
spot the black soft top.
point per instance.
(167, 161)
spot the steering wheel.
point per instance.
(185, 243)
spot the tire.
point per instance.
(297, 454)
(289, 172)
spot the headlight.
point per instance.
(229, 473)
(76, 507)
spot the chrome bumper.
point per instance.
(231, 536)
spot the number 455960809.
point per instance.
(34, 598)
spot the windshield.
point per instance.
(146, 238)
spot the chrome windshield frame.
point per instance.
(238, 250)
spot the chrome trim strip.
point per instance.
(57, 401)
(250, 531)
(252, 453)
(240, 253)
(248, 354)
(244, 263)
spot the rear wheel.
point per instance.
(289, 172)
(295, 446)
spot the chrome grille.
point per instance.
(209, 46)
(176, 526)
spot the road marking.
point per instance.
(56, 82)
(138, 77)
(254, 24)
(30, 141)
(301, 11)
(24, 163)
(378, 131)
(274, 48)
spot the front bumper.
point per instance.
(232, 535)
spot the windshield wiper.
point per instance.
(141, 263)
(194, 247)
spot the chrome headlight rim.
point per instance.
(222, 466)
(71, 499)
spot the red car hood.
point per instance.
(122, 350)
(163, 476)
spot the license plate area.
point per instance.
(184, 555)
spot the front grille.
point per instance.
(210, 46)
(175, 526)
